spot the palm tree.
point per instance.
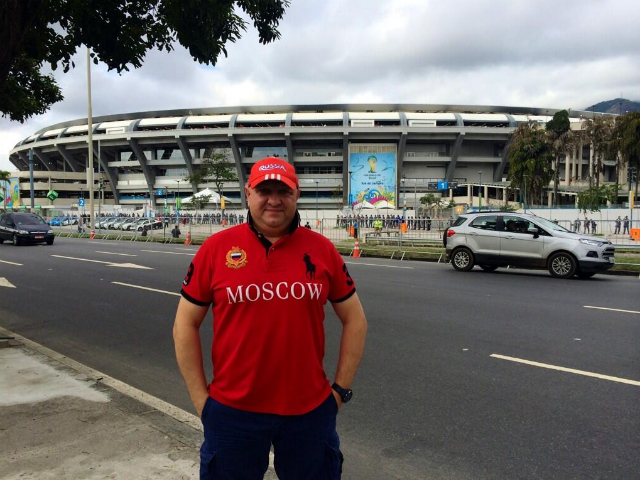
(530, 157)
(4, 178)
(599, 132)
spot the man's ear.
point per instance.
(298, 193)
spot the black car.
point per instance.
(25, 228)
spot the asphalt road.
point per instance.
(430, 400)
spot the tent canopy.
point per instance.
(363, 205)
(384, 205)
(215, 197)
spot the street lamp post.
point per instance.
(404, 199)
(480, 192)
(317, 219)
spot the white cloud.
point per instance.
(540, 53)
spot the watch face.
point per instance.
(347, 396)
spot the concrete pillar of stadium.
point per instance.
(470, 194)
(591, 161)
(550, 198)
(485, 195)
(624, 174)
(579, 173)
(505, 198)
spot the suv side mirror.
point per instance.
(534, 231)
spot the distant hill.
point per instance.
(614, 106)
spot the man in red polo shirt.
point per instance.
(268, 282)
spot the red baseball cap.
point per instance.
(273, 169)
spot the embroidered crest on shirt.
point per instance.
(236, 258)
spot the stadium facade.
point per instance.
(342, 153)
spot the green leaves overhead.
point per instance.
(37, 33)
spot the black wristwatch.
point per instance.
(345, 394)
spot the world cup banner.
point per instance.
(373, 179)
(11, 192)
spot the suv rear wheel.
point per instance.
(562, 265)
(462, 259)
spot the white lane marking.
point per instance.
(10, 262)
(160, 405)
(5, 283)
(568, 370)
(146, 288)
(108, 263)
(188, 249)
(381, 265)
(611, 309)
(118, 254)
(165, 252)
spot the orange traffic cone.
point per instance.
(93, 234)
(356, 250)
(187, 241)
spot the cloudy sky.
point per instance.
(542, 53)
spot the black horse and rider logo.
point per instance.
(311, 268)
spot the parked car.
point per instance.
(496, 239)
(149, 224)
(54, 222)
(130, 225)
(118, 224)
(22, 228)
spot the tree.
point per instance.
(429, 201)
(591, 199)
(35, 33)
(4, 178)
(598, 131)
(559, 131)
(215, 168)
(530, 156)
(626, 143)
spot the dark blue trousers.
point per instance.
(237, 443)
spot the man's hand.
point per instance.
(336, 395)
(200, 405)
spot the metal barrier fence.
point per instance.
(418, 232)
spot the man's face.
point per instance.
(273, 206)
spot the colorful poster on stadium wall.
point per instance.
(373, 179)
(12, 190)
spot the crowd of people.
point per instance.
(388, 221)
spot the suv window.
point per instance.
(459, 221)
(516, 224)
(488, 223)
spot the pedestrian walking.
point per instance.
(625, 225)
(587, 224)
(267, 281)
(576, 225)
(594, 225)
(175, 232)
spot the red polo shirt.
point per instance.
(268, 313)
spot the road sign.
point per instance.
(81, 203)
(52, 195)
(443, 185)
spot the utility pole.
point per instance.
(90, 142)
(480, 193)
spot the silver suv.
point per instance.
(496, 239)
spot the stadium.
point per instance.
(343, 154)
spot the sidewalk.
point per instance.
(62, 420)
